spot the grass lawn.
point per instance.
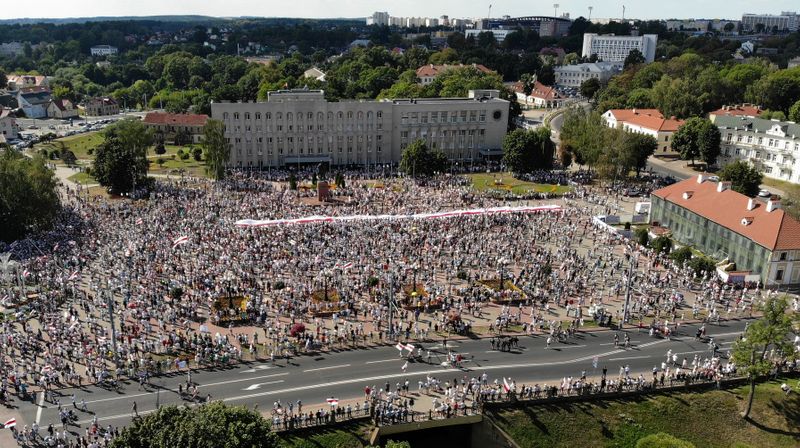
(82, 178)
(507, 182)
(192, 167)
(78, 144)
(351, 435)
(709, 419)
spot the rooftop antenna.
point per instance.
(623, 13)
(590, 13)
(490, 12)
(555, 7)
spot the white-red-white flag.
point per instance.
(400, 346)
(409, 347)
(333, 401)
(74, 276)
(10, 423)
(179, 241)
(506, 386)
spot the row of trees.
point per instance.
(28, 198)
(690, 85)
(586, 140)
(121, 160)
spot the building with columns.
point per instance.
(302, 127)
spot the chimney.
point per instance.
(722, 186)
(701, 178)
(751, 204)
(688, 195)
(773, 204)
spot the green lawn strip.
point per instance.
(347, 435)
(82, 178)
(709, 419)
(78, 144)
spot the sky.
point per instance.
(644, 9)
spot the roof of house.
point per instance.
(590, 67)
(36, 80)
(35, 95)
(738, 110)
(427, 71)
(314, 72)
(545, 92)
(176, 119)
(775, 230)
(62, 104)
(760, 125)
(647, 118)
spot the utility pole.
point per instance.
(625, 310)
(110, 304)
(555, 8)
(623, 13)
(391, 304)
(590, 13)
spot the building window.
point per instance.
(783, 256)
(779, 275)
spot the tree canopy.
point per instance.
(28, 198)
(217, 148)
(418, 160)
(663, 440)
(744, 178)
(214, 424)
(121, 160)
(697, 138)
(527, 151)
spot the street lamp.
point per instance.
(414, 268)
(228, 279)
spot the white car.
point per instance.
(764, 193)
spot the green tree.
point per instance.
(292, 181)
(121, 160)
(702, 265)
(590, 87)
(418, 160)
(661, 244)
(217, 148)
(526, 151)
(197, 153)
(213, 424)
(697, 138)
(663, 440)
(635, 150)
(28, 198)
(769, 334)
(183, 137)
(642, 237)
(681, 255)
(635, 57)
(744, 178)
(794, 112)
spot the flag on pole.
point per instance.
(10, 423)
(74, 276)
(179, 241)
(26, 273)
(409, 347)
(333, 401)
(139, 222)
(400, 346)
(506, 386)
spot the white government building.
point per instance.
(301, 126)
(771, 146)
(575, 75)
(612, 48)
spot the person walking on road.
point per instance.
(134, 410)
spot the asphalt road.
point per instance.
(344, 374)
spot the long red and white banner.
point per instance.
(448, 214)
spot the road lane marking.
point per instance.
(383, 360)
(100, 400)
(39, 411)
(257, 368)
(258, 385)
(629, 357)
(327, 368)
(569, 346)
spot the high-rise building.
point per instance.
(611, 48)
(301, 126)
(378, 18)
(786, 21)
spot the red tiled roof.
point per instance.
(774, 230)
(176, 119)
(647, 118)
(62, 104)
(542, 91)
(436, 70)
(739, 110)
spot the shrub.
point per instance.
(372, 282)
(642, 237)
(681, 256)
(662, 245)
(461, 275)
(278, 285)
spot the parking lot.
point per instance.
(31, 129)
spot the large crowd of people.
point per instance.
(181, 279)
